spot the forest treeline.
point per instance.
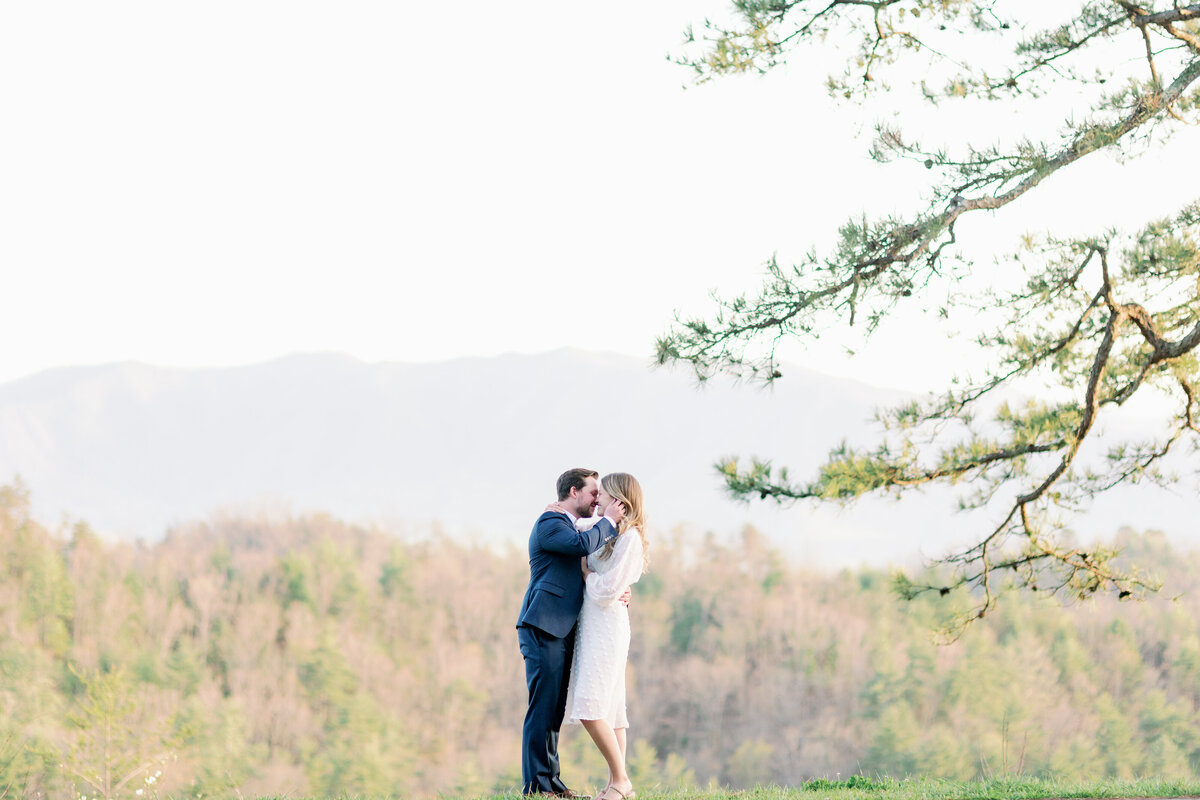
(310, 657)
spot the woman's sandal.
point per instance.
(631, 796)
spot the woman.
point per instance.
(597, 685)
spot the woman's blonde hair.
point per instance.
(624, 487)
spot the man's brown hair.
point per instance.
(574, 479)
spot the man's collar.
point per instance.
(574, 518)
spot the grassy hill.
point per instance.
(910, 789)
(305, 657)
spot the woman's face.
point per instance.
(603, 502)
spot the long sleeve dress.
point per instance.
(597, 688)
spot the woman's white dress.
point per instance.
(597, 687)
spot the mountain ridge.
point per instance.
(473, 443)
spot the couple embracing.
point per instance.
(585, 551)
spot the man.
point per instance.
(546, 626)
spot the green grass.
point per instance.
(859, 788)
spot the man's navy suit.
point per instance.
(546, 632)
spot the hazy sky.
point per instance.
(227, 182)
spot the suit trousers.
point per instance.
(547, 671)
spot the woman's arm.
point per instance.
(606, 588)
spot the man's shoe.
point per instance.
(565, 794)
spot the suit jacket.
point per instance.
(555, 593)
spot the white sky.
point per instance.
(227, 182)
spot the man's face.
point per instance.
(586, 498)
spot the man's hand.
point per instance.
(616, 511)
(625, 598)
(587, 571)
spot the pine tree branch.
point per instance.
(1177, 14)
(1147, 107)
(1091, 404)
(1165, 20)
(1056, 327)
(1072, 45)
(895, 250)
(955, 405)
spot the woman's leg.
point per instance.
(611, 747)
(620, 734)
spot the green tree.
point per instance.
(749, 764)
(1115, 739)
(1088, 322)
(1167, 736)
(646, 768)
(115, 744)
